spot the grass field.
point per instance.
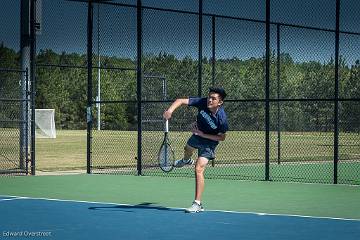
(241, 153)
(66, 151)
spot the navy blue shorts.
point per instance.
(204, 147)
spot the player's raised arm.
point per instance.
(177, 103)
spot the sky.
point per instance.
(64, 28)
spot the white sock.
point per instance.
(198, 202)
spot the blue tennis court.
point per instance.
(27, 218)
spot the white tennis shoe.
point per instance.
(183, 162)
(195, 208)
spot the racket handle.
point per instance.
(166, 125)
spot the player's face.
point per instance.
(214, 101)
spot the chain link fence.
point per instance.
(142, 59)
(14, 118)
(14, 101)
(61, 84)
(114, 132)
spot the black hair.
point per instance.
(219, 91)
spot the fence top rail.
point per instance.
(85, 67)
(12, 70)
(240, 100)
(216, 15)
(14, 100)
(295, 100)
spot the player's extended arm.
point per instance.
(177, 103)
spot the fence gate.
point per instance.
(14, 121)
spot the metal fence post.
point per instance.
(139, 82)
(213, 60)
(213, 42)
(33, 81)
(267, 93)
(28, 123)
(200, 48)
(25, 45)
(336, 102)
(278, 63)
(89, 88)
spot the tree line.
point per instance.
(62, 85)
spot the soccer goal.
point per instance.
(45, 123)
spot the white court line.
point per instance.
(176, 208)
(12, 198)
(287, 215)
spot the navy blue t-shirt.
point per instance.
(206, 121)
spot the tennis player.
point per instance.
(210, 128)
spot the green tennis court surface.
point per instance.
(339, 201)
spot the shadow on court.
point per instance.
(133, 208)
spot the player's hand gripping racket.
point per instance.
(166, 155)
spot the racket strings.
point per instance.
(166, 157)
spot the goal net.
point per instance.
(45, 123)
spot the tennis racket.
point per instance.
(166, 155)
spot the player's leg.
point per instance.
(199, 177)
(199, 185)
(206, 153)
(188, 152)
